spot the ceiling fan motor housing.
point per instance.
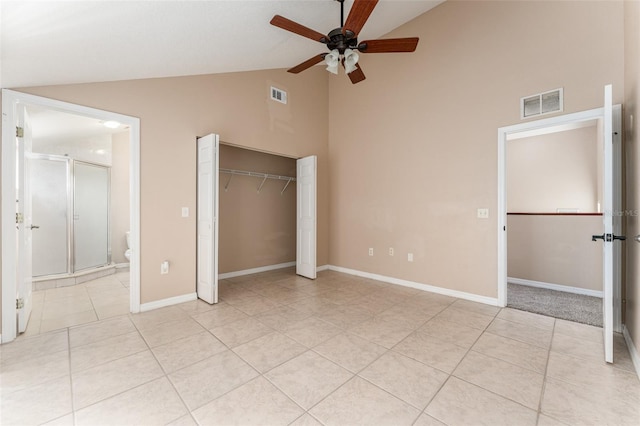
(340, 41)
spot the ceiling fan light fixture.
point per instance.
(350, 60)
(332, 60)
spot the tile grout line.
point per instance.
(166, 376)
(73, 407)
(424, 411)
(546, 369)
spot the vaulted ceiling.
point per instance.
(62, 42)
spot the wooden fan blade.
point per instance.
(294, 27)
(358, 15)
(389, 45)
(356, 76)
(307, 64)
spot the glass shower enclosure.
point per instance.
(70, 204)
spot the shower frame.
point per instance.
(70, 168)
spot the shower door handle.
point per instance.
(34, 227)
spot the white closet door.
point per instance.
(306, 217)
(207, 218)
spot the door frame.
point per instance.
(541, 126)
(11, 101)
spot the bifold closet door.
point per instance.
(207, 218)
(306, 217)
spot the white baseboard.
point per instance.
(122, 265)
(255, 270)
(322, 268)
(558, 287)
(635, 357)
(425, 287)
(168, 302)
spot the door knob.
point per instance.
(34, 227)
(637, 238)
(608, 237)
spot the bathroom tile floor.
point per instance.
(340, 350)
(62, 307)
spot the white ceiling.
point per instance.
(52, 127)
(62, 42)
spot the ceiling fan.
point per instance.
(343, 42)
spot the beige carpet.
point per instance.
(557, 304)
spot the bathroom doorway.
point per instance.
(87, 289)
(79, 185)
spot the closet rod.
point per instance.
(256, 174)
(264, 177)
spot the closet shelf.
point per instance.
(264, 177)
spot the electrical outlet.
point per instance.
(410, 257)
(390, 251)
(370, 251)
(483, 213)
(164, 267)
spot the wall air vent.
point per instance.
(278, 95)
(542, 103)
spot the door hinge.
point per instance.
(19, 303)
(19, 218)
(19, 132)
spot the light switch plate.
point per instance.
(185, 212)
(483, 213)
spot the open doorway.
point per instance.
(554, 198)
(79, 181)
(17, 204)
(565, 212)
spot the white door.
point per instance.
(608, 235)
(306, 217)
(26, 227)
(207, 219)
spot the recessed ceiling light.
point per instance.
(111, 124)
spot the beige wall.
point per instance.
(413, 149)
(632, 156)
(553, 171)
(173, 112)
(119, 195)
(256, 229)
(555, 250)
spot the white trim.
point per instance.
(122, 265)
(633, 352)
(323, 268)
(557, 287)
(168, 302)
(255, 270)
(10, 101)
(424, 287)
(503, 134)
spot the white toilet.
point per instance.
(127, 253)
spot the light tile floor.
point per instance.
(341, 350)
(62, 307)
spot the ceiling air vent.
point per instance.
(278, 95)
(542, 103)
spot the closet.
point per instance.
(257, 209)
